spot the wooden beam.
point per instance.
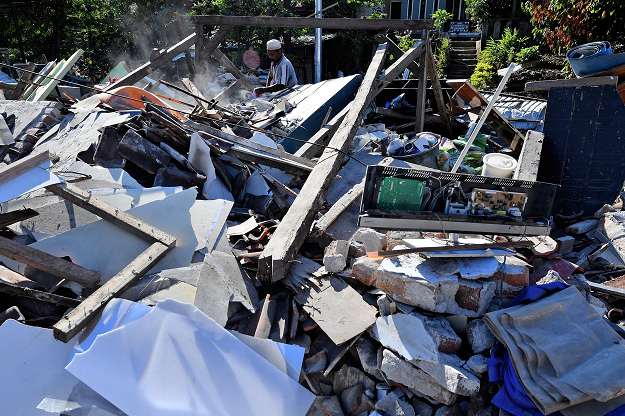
(199, 44)
(12, 217)
(22, 166)
(213, 43)
(24, 81)
(421, 88)
(575, 82)
(73, 322)
(48, 263)
(195, 93)
(27, 292)
(291, 233)
(396, 52)
(529, 159)
(111, 214)
(230, 67)
(321, 225)
(311, 22)
(403, 61)
(438, 93)
(312, 147)
(151, 66)
(392, 113)
(187, 54)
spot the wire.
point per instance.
(186, 112)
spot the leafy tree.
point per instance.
(563, 24)
(482, 10)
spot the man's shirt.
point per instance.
(283, 73)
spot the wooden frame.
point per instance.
(75, 320)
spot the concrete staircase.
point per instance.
(462, 59)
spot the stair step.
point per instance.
(463, 43)
(463, 55)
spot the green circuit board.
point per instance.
(396, 194)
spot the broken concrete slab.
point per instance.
(348, 377)
(603, 210)
(393, 405)
(365, 270)
(413, 280)
(326, 406)
(180, 291)
(339, 310)
(544, 245)
(367, 351)
(371, 239)
(336, 256)
(407, 335)
(478, 364)
(469, 268)
(565, 244)
(451, 375)
(582, 227)
(480, 337)
(401, 371)
(515, 275)
(351, 398)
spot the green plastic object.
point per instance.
(396, 194)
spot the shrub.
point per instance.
(442, 56)
(483, 75)
(527, 55)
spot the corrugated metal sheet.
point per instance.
(523, 113)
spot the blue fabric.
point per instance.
(512, 397)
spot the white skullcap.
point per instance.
(273, 45)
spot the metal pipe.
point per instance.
(17, 31)
(318, 15)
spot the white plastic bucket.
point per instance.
(498, 165)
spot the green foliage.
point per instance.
(442, 56)
(481, 10)
(440, 17)
(500, 54)
(528, 54)
(483, 75)
(563, 24)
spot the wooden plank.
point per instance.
(529, 160)
(22, 166)
(76, 320)
(214, 42)
(24, 81)
(312, 22)
(225, 95)
(392, 113)
(575, 82)
(48, 263)
(12, 217)
(111, 214)
(614, 291)
(438, 93)
(322, 224)
(151, 66)
(421, 89)
(187, 54)
(199, 44)
(314, 146)
(403, 61)
(42, 92)
(395, 51)
(293, 229)
(230, 67)
(195, 93)
(26, 292)
(281, 154)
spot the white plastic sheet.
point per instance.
(175, 360)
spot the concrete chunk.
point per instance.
(407, 335)
(478, 364)
(480, 337)
(565, 244)
(317, 363)
(603, 210)
(582, 227)
(451, 375)
(392, 405)
(468, 267)
(367, 350)
(336, 255)
(365, 270)
(401, 371)
(372, 240)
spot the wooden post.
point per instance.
(438, 93)
(199, 43)
(291, 233)
(187, 55)
(422, 86)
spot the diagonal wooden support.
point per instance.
(230, 67)
(212, 44)
(111, 214)
(150, 66)
(314, 146)
(282, 249)
(404, 60)
(438, 93)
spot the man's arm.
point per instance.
(273, 88)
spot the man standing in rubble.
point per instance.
(281, 73)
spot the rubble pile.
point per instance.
(157, 260)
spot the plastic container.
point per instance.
(498, 165)
(426, 158)
(593, 57)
